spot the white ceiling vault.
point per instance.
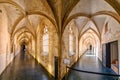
(86, 13)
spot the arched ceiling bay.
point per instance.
(32, 21)
(59, 11)
(89, 34)
(24, 31)
(100, 20)
(35, 5)
(90, 7)
(81, 22)
(13, 14)
(90, 25)
(98, 11)
(89, 37)
(18, 9)
(24, 23)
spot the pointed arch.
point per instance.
(86, 35)
(109, 13)
(34, 13)
(20, 29)
(81, 34)
(19, 36)
(68, 20)
(88, 17)
(14, 4)
(69, 24)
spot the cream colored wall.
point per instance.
(5, 56)
(119, 55)
(112, 34)
(46, 61)
(65, 48)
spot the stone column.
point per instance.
(35, 46)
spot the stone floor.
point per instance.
(89, 63)
(25, 67)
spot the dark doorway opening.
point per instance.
(90, 47)
(110, 55)
(23, 47)
(114, 56)
(90, 51)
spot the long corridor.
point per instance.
(25, 67)
(90, 63)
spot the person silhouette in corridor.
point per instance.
(23, 51)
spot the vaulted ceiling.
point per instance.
(60, 12)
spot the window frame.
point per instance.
(45, 39)
(71, 42)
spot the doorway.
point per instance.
(110, 56)
(114, 56)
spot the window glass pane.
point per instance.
(71, 44)
(70, 37)
(45, 41)
(70, 40)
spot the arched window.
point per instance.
(71, 42)
(45, 41)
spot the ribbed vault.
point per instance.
(23, 22)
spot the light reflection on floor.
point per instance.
(90, 63)
(25, 67)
